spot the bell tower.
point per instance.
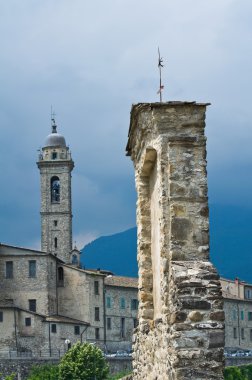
(55, 165)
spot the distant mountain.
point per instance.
(230, 246)
(116, 253)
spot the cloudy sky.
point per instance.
(91, 60)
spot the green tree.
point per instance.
(83, 362)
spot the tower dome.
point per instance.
(55, 139)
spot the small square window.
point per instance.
(53, 328)
(33, 305)
(134, 304)
(122, 303)
(122, 327)
(97, 333)
(9, 269)
(77, 330)
(97, 314)
(108, 302)
(96, 287)
(1, 316)
(242, 333)
(235, 333)
(32, 268)
(27, 321)
(109, 323)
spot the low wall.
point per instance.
(23, 366)
(119, 364)
(237, 361)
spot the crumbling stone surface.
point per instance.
(181, 330)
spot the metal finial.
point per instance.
(160, 66)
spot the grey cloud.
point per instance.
(91, 61)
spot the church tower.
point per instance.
(55, 165)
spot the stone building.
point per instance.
(46, 298)
(121, 301)
(181, 319)
(238, 314)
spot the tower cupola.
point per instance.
(55, 139)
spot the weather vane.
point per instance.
(160, 65)
(53, 114)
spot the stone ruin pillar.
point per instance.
(181, 319)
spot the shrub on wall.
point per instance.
(83, 361)
(238, 373)
(44, 372)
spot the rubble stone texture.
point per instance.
(181, 329)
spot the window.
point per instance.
(53, 328)
(122, 303)
(77, 330)
(134, 304)
(60, 276)
(234, 315)
(242, 315)
(250, 316)
(9, 269)
(242, 333)
(54, 155)
(74, 259)
(96, 287)
(248, 293)
(55, 243)
(135, 322)
(108, 302)
(109, 323)
(55, 222)
(32, 268)
(97, 314)
(32, 305)
(250, 334)
(235, 333)
(1, 316)
(27, 321)
(55, 189)
(97, 333)
(122, 327)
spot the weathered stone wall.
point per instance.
(181, 329)
(77, 299)
(21, 287)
